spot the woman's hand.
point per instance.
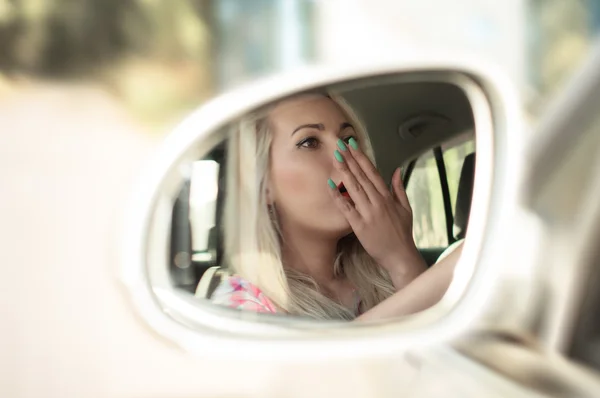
(380, 218)
(425, 291)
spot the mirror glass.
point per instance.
(343, 202)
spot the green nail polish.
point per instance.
(353, 143)
(331, 184)
(342, 145)
(338, 156)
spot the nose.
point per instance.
(331, 145)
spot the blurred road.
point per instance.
(68, 157)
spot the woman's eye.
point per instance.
(308, 143)
(347, 139)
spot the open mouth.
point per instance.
(343, 190)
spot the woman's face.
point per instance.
(305, 133)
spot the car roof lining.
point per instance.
(384, 108)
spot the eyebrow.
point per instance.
(345, 125)
(320, 127)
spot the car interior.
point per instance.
(405, 121)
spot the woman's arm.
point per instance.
(423, 292)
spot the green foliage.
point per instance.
(59, 37)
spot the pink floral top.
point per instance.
(238, 293)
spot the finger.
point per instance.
(399, 191)
(349, 165)
(354, 188)
(368, 168)
(349, 211)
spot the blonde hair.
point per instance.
(253, 241)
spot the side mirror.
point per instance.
(415, 112)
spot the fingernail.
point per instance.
(338, 156)
(331, 184)
(342, 145)
(353, 143)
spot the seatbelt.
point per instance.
(210, 280)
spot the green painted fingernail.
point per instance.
(342, 145)
(331, 184)
(338, 156)
(353, 143)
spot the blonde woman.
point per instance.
(311, 229)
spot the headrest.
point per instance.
(464, 195)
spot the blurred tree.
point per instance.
(160, 57)
(560, 34)
(57, 37)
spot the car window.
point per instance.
(425, 196)
(424, 191)
(204, 189)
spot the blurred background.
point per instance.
(160, 58)
(157, 58)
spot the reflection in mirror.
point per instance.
(346, 202)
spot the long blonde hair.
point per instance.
(252, 237)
